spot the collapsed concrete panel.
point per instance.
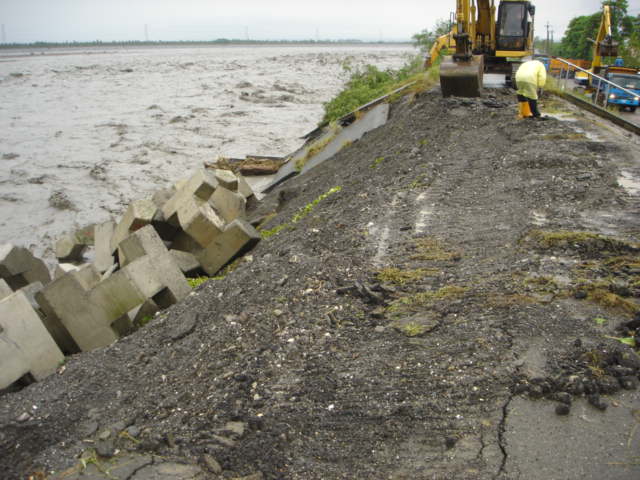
(199, 220)
(230, 205)
(25, 344)
(238, 237)
(18, 267)
(69, 248)
(139, 214)
(102, 233)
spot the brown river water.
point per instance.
(83, 132)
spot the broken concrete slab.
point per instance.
(187, 262)
(102, 234)
(199, 220)
(331, 142)
(69, 248)
(21, 329)
(139, 214)
(372, 119)
(230, 205)
(238, 237)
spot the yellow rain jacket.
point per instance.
(530, 76)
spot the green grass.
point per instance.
(300, 214)
(369, 82)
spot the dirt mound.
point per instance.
(383, 334)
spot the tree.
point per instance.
(575, 43)
(424, 40)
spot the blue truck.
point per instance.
(627, 78)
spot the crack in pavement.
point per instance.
(501, 441)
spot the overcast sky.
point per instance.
(107, 20)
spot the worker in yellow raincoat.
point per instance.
(531, 76)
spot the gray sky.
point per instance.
(107, 20)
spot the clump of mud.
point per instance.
(60, 200)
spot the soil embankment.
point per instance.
(469, 264)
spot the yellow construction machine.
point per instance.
(484, 43)
(603, 46)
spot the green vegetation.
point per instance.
(423, 299)
(376, 163)
(625, 28)
(316, 147)
(368, 83)
(196, 282)
(414, 330)
(431, 249)
(303, 212)
(585, 242)
(402, 277)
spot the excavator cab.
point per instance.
(514, 26)
(486, 44)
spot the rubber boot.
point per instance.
(524, 111)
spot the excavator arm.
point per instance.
(604, 45)
(442, 43)
(461, 73)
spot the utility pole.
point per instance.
(548, 38)
(146, 32)
(4, 34)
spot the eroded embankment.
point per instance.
(389, 332)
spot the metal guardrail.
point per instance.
(590, 104)
(564, 77)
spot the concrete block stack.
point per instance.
(138, 267)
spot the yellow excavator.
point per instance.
(603, 46)
(484, 43)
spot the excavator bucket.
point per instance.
(461, 78)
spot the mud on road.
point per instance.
(427, 321)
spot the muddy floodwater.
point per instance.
(84, 132)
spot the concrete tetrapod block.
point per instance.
(200, 221)
(64, 268)
(18, 267)
(62, 300)
(228, 204)
(227, 179)
(158, 275)
(201, 184)
(69, 248)
(239, 236)
(5, 289)
(187, 262)
(145, 241)
(244, 188)
(185, 243)
(30, 291)
(139, 214)
(21, 329)
(102, 233)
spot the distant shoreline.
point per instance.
(98, 44)
(16, 50)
